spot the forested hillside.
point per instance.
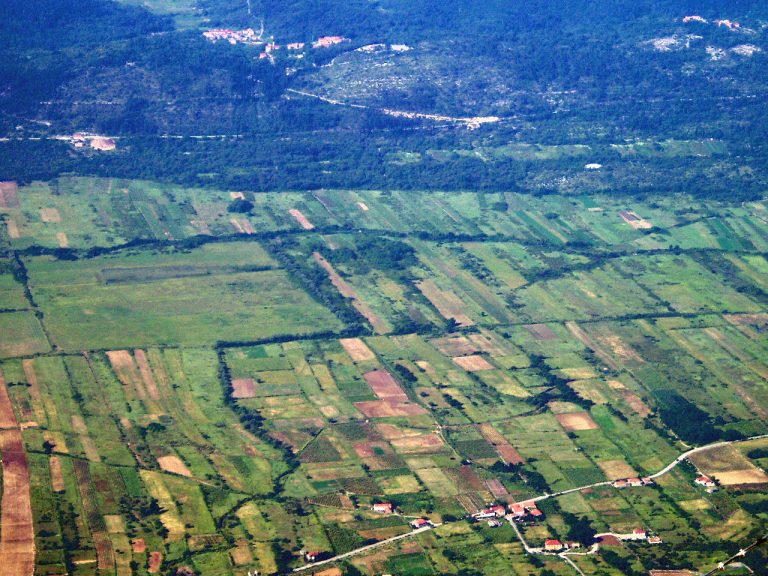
(405, 78)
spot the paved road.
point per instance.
(366, 548)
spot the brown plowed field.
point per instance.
(357, 349)
(9, 195)
(454, 346)
(146, 374)
(243, 388)
(496, 488)
(541, 331)
(509, 454)
(301, 219)
(389, 408)
(125, 368)
(417, 444)
(173, 464)
(384, 385)
(7, 417)
(473, 363)
(105, 555)
(575, 421)
(17, 541)
(57, 477)
(155, 561)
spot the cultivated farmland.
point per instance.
(182, 391)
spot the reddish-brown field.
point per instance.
(389, 408)
(17, 538)
(105, 555)
(496, 488)
(357, 349)
(509, 454)
(473, 363)
(243, 388)
(384, 385)
(541, 331)
(301, 219)
(146, 374)
(9, 195)
(138, 546)
(17, 542)
(420, 443)
(125, 368)
(241, 553)
(576, 421)
(155, 561)
(454, 345)
(7, 417)
(636, 403)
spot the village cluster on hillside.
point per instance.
(249, 36)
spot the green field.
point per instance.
(210, 389)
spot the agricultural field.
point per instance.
(227, 381)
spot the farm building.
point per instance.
(705, 481)
(313, 556)
(383, 507)
(553, 545)
(420, 523)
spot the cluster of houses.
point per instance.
(632, 482)
(637, 535)
(730, 24)
(93, 141)
(247, 36)
(323, 42)
(251, 37)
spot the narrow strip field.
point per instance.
(17, 541)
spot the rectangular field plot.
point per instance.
(21, 335)
(114, 302)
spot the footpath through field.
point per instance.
(671, 466)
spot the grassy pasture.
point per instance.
(99, 304)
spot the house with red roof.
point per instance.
(553, 545)
(383, 507)
(705, 481)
